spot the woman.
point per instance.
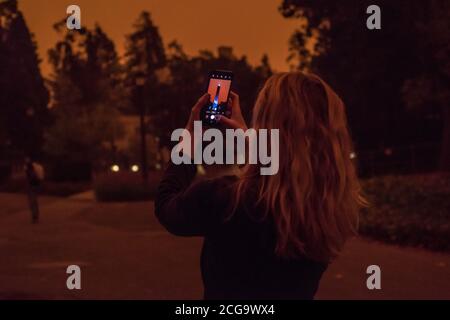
(272, 236)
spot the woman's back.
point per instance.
(238, 258)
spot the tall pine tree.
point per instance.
(145, 57)
(23, 95)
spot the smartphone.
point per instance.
(219, 86)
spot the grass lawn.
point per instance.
(409, 210)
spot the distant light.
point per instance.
(388, 152)
(352, 155)
(158, 166)
(135, 168)
(201, 170)
(115, 168)
(140, 80)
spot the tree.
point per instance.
(87, 93)
(145, 58)
(88, 60)
(430, 86)
(23, 95)
(83, 136)
(369, 68)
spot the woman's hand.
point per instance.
(195, 112)
(234, 108)
(194, 116)
(237, 120)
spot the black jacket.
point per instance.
(238, 260)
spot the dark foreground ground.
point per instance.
(125, 254)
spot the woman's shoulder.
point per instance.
(213, 194)
(221, 183)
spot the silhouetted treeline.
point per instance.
(395, 81)
(91, 86)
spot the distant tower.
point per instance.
(216, 98)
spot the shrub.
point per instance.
(62, 170)
(409, 210)
(126, 186)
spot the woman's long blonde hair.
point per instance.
(315, 196)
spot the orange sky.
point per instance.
(251, 27)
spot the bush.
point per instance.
(61, 170)
(126, 186)
(409, 210)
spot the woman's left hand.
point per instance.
(195, 112)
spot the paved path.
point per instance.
(13, 202)
(124, 253)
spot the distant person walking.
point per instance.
(35, 174)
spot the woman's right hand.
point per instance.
(237, 120)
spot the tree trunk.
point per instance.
(445, 147)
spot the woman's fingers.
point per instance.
(229, 123)
(201, 102)
(234, 96)
(195, 112)
(233, 109)
(235, 105)
(228, 111)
